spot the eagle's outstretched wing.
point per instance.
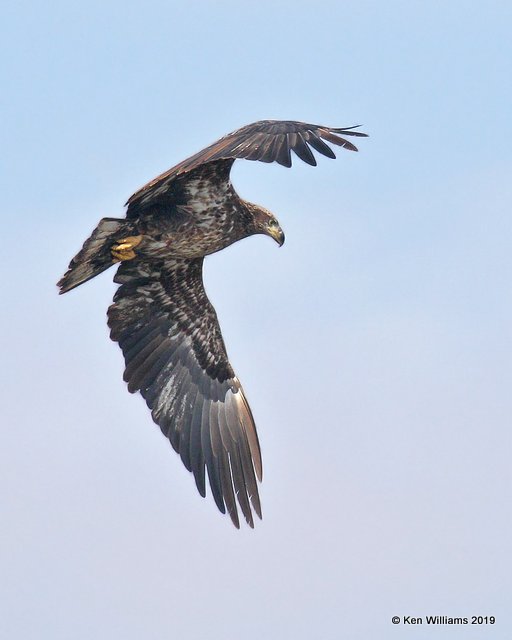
(266, 140)
(175, 356)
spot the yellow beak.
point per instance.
(277, 234)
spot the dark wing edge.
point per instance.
(266, 141)
(175, 356)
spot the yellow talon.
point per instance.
(123, 250)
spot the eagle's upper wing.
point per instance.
(175, 356)
(266, 140)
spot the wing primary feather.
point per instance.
(225, 435)
(232, 418)
(183, 422)
(215, 422)
(251, 434)
(283, 156)
(341, 142)
(303, 151)
(319, 145)
(240, 486)
(227, 490)
(249, 477)
(196, 452)
(348, 131)
(226, 445)
(209, 423)
(248, 453)
(233, 424)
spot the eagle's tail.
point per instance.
(96, 254)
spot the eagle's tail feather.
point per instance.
(95, 256)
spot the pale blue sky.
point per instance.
(375, 347)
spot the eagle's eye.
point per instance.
(272, 222)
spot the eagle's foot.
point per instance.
(124, 248)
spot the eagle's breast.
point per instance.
(206, 221)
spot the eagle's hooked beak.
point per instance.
(277, 233)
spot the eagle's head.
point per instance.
(263, 221)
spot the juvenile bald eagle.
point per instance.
(161, 317)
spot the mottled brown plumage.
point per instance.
(161, 317)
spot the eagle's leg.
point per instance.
(124, 248)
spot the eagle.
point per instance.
(161, 317)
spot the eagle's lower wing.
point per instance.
(266, 140)
(175, 356)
